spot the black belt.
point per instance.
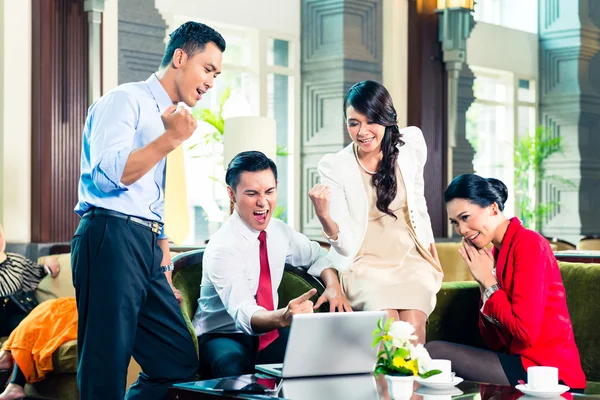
(154, 226)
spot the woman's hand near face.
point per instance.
(480, 263)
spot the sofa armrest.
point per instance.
(456, 316)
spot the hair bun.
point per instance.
(500, 188)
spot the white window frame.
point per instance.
(294, 138)
(512, 105)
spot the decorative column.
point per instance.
(569, 86)
(462, 151)
(94, 9)
(341, 45)
(456, 24)
(141, 39)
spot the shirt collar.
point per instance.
(163, 101)
(251, 235)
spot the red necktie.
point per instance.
(264, 294)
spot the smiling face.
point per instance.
(473, 222)
(255, 198)
(196, 74)
(366, 134)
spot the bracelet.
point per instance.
(335, 235)
(48, 270)
(167, 268)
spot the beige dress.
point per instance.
(392, 269)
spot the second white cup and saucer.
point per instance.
(445, 380)
(542, 382)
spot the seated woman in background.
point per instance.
(28, 350)
(523, 318)
(19, 275)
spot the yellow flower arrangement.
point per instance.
(399, 356)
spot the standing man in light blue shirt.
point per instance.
(121, 265)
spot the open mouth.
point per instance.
(200, 93)
(261, 216)
(473, 237)
(366, 141)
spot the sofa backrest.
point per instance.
(582, 284)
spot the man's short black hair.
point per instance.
(191, 37)
(248, 161)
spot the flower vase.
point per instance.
(400, 387)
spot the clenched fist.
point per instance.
(319, 195)
(179, 124)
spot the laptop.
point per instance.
(323, 344)
(344, 387)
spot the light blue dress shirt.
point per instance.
(126, 118)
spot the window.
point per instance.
(516, 14)
(259, 77)
(280, 106)
(504, 110)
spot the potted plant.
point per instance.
(400, 360)
(531, 154)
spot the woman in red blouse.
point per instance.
(523, 318)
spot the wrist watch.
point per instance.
(490, 291)
(167, 268)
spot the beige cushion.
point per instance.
(62, 285)
(454, 267)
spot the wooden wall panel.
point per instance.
(60, 101)
(427, 103)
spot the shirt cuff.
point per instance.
(243, 320)
(319, 266)
(490, 318)
(108, 172)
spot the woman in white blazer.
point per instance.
(372, 208)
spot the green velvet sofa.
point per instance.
(188, 275)
(456, 315)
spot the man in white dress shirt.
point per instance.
(237, 321)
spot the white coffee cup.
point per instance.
(443, 365)
(540, 378)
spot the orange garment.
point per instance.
(44, 330)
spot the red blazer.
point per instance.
(531, 307)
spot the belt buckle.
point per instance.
(155, 227)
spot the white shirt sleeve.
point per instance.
(225, 270)
(303, 252)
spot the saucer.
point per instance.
(547, 392)
(439, 385)
(425, 391)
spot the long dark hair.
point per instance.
(374, 101)
(477, 190)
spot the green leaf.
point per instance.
(379, 324)
(278, 211)
(224, 97)
(212, 178)
(402, 352)
(282, 151)
(380, 369)
(401, 370)
(389, 321)
(376, 341)
(430, 373)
